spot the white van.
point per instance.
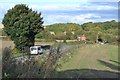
(36, 50)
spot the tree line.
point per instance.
(108, 31)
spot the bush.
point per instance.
(31, 68)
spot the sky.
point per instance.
(68, 11)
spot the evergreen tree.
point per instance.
(22, 24)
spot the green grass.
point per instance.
(112, 53)
(16, 52)
(92, 57)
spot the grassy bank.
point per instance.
(87, 59)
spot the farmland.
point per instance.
(90, 60)
(99, 61)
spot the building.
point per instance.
(81, 38)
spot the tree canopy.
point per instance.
(22, 24)
(107, 30)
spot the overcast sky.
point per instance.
(68, 11)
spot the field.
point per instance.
(92, 61)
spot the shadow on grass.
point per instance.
(115, 62)
(87, 73)
(91, 73)
(46, 47)
(112, 66)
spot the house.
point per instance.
(52, 33)
(59, 40)
(81, 38)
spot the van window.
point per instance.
(33, 49)
(39, 48)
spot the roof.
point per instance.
(35, 46)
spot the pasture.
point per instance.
(90, 60)
(98, 61)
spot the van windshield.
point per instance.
(33, 49)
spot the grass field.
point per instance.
(92, 61)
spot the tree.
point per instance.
(22, 24)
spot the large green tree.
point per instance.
(22, 24)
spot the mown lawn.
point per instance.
(92, 61)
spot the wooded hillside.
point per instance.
(108, 31)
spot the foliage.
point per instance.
(107, 30)
(22, 24)
(45, 35)
(59, 30)
(6, 59)
(31, 67)
(61, 27)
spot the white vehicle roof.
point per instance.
(35, 46)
